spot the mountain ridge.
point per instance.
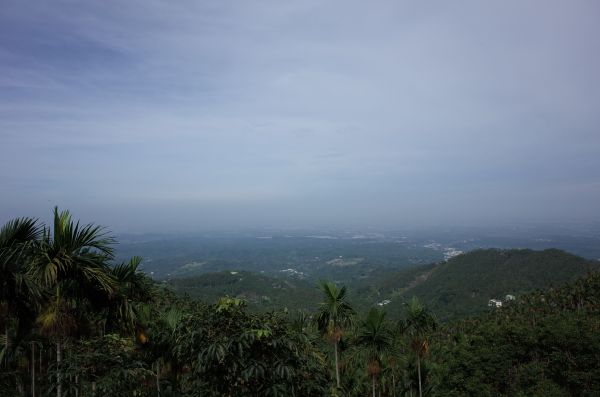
(463, 285)
(455, 288)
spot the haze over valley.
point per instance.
(314, 254)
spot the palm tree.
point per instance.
(72, 263)
(19, 294)
(334, 314)
(131, 286)
(374, 340)
(418, 323)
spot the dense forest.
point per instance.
(77, 324)
(259, 291)
(463, 285)
(455, 288)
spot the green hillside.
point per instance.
(464, 284)
(366, 292)
(453, 289)
(543, 344)
(259, 291)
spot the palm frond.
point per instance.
(19, 230)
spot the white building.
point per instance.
(495, 303)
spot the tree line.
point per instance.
(76, 324)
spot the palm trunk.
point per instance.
(58, 369)
(419, 372)
(40, 368)
(157, 379)
(94, 388)
(373, 382)
(337, 367)
(32, 369)
(20, 387)
(6, 343)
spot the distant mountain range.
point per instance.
(458, 287)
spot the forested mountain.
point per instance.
(543, 344)
(261, 292)
(463, 285)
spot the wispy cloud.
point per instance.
(320, 109)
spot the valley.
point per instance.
(453, 274)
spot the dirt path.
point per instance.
(419, 279)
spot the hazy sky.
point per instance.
(180, 115)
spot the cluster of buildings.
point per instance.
(384, 302)
(499, 302)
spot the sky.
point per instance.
(149, 116)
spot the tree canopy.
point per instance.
(76, 323)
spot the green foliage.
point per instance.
(333, 315)
(111, 364)
(75, 324)
(544, 344)
(233, 352)
(261, 292)
(373, 345)
(454, 289)
(463, 285)
(19, 293)
(334, 311)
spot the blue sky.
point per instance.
(188, 115)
